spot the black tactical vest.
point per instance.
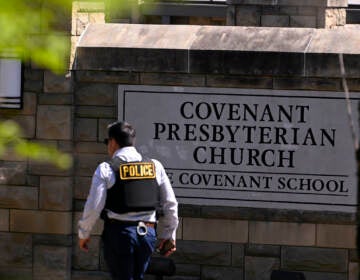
(135, 188)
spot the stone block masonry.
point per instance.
(84, 13)
(287, 13)
(36, 199)
(52, 262)
(283, 13)
(249, 52)
(225, 242)
(54, 122)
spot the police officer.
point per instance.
(127, 192)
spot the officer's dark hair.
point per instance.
(123, 133)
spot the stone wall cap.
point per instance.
(111, 35)
(345, 40)
(261, 39)
(222, 38)
(233, 50)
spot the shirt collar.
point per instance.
(127, 153)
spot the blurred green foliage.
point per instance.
(33, 31)
(11, 138)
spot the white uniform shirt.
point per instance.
(104, 178)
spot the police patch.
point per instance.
(137, 170)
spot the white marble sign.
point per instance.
(249, 148)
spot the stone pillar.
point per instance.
(287, 13)
(84, 13)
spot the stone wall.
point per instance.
(269, 13)
(40, 205)
(36, 211)
(218, 242)
(84, 13)
(36, 200)
(287, 13)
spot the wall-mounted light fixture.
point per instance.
(10, 83)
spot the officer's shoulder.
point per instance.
(104, 165)
(112, 163)
(103, 170)
(157, 163)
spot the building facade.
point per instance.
(193, 64)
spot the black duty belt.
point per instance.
(131, 223)
(141, 227)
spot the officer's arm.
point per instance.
(169, 221)
(94, 204)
